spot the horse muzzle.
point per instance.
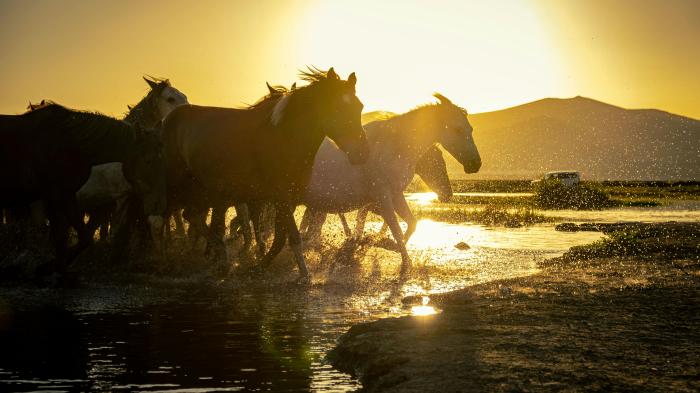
(472, 166)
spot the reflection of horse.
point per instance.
(47, 154)
(107, 189)
(395, 146)
(220, 156)
(430, 167)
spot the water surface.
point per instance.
(269, 336)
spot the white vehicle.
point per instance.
(567, 178)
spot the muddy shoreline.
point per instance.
(597, 319)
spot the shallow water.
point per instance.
(251, 336)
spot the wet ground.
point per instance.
(244, 333)
(583, 323)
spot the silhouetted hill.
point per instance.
(376, 115)
(600, 140)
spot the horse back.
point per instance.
(222, 148)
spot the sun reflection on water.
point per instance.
(422, 198)
(424, 309)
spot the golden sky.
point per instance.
(484, 55)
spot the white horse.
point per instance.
(396, 144)
(107, 185)
(430, 168)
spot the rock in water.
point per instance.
(462, 246)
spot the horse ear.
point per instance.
(270, 88)
(294, 86)
(151, 83)
(331, 74)
(443, 100)
(352, 79)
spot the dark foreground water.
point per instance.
(133, 341)
(247, 337)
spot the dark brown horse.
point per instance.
(47, 154)
(220, 156)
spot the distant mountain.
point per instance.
(600, 140)
(376, 115)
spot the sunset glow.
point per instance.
(483, 55)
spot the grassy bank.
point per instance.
(489, 215)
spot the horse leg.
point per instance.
(346, 227)
(285, 214)
(122, 221)
(361, 219)
(76, 219)
(386, 209)
(179, 225)
(217, 228)
(104, 225)
(312, 224)
(58, 232)
(404, 211)
(95, 220)
(243, 221)
(255, 212)
(295, 243)
(197, 220)
(306, 220)
(280, 236)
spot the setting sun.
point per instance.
(483, 55)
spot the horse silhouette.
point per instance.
(107, 194)
(221, 156)
(396, 144)
(47, 154)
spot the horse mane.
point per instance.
(282, 95)
(443, 102)
(280, 91)
(313, 75)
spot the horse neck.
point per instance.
(301, 133)
(414, 135)
(402, 142)
(143, 114)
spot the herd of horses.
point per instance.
(167, 158)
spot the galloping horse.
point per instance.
(430, 167)
(220, 156)
(107, 189)
(336, 186)
(47, 154)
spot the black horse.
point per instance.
(46, 154)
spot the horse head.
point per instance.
(432, 169)
(336, 110)
(454, 133)
(163, 97)
(144, 168)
